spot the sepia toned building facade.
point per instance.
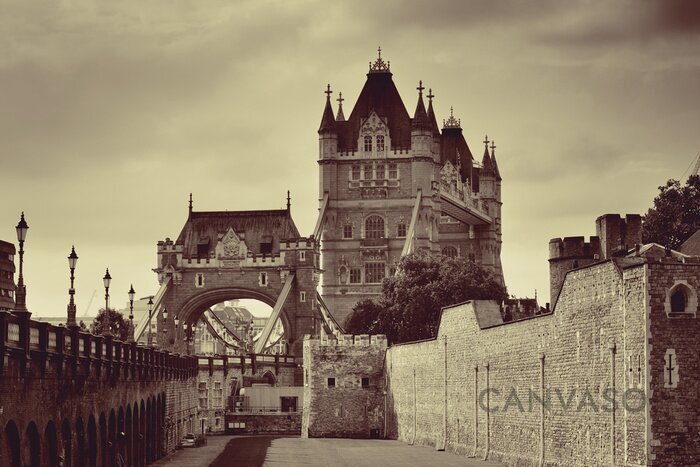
(392, 183)
(7, 274)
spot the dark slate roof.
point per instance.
(379, 94)
(327, 120)
(691, 246)
(452, 142)
(486, 161)
(431, 117)
(207, 227)
(420, 118)
(495, 164)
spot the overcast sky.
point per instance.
(111, 113)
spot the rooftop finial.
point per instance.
(190, 203)
(328, 92)
(420, 88)
(341, 116)
(493, 147)
(289, 201)
(430, 95)
(452, 122)
(486, 141)
(379, 66)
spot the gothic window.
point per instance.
(302, 256)
(393, 172)
(202, 250)
(355, 276)
(374, 227)
(262, 279)
(368, 171)
(380, 143)
(401, 230)
(199, 280)
(450, 251)
(347, 231)
(380, 172)
(302, 296)
(356, 172)
(374, 273)
(368, 144)
(679, 300)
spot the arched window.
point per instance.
(450, 251)
(374, 227)
(679, 300)
(368, 143)
(380, 143)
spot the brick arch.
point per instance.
(196, 305)
(129, 439)
(102, 445)
(50, 450)
(142, 431)
(80, 446)
(33, 446)
(67, 442)
(12, 441)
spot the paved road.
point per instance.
(275, 451)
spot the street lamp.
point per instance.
(72, 262)
(21, 294)
(131, 313)
(107, 279)
(150, 315)
(177, 328)
(165, 320)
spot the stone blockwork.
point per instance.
(600, 360)
(344, 387)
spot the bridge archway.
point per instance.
(12, 440)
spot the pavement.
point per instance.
(277, 451)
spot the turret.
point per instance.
(421, 131)
(434, 126)
(327, 132)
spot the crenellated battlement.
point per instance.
(574, 248)
(302, 243)
(347, 340)
(168, 246)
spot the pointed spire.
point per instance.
(431, 113)
(486, 160)
(340, 117)
(420, 118)
(328, 120)
(379, 65)
(493, 160)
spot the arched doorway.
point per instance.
(80, 450)
(66, 443)
(104, 442)
(92, 442)
(112, 438)
(51, 454)
(143, 438)
(129, 448)
(12, 443)
(33, 446)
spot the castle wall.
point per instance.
(345, 408)
(437, 387)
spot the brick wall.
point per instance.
(346, 408)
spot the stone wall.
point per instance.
(337, 402)
(599, 361)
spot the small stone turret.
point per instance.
(327, 132)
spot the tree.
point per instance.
(409, 306)
(675, 215)
(118, 326)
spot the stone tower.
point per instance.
(391, 184)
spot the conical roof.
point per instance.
(420, 118)
(431, 114)
(328, 119)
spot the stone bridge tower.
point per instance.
(224, 255)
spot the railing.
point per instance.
(263, 410)
(26, 340)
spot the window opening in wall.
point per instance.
(374, 227)
(679, 301)
(347, 231)
(355, 276)
(450, 251)
(331, 382)
(302, 256)
(356, 172)
(380, 143)
(263, 278)
(302, 296)
(368, 172)
(368, 144)
(374, 273)
(393, 171)
(380, 172)
(401, 230)
(365, 382)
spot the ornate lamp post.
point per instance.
(107, 279)
(131, 313)
(187, 331)
(21, 294)
(72, 262)
(150, 315)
